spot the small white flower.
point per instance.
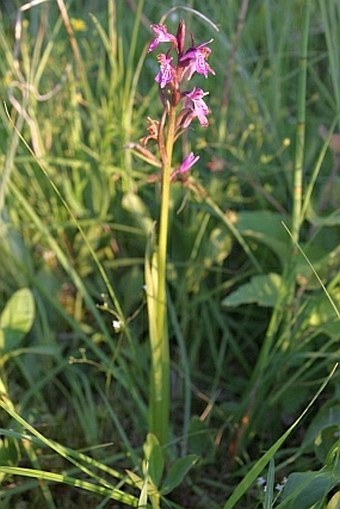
(261, 481)
(117, 325)
(279, 487)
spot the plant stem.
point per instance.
(301, 126)
(161, 357)
(164, 219)
(297, 191)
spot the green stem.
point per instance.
(301, 127)
(297, 191)
(161, 358)
(164, 221)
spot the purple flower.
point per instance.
(196, 107)
(187, 163)
(165, 74)
(185, 166)
(161, 35)
(194, 59)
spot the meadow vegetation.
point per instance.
(252, 269)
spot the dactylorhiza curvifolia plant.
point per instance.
(182, 103)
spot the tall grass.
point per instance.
(252, 272)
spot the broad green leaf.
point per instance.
(327, 417)
(200, 439)
(154, 454)
(262, 290)
(177, 472)
(321, 314)
(265, 227)
(303, 489)
(325, 442)
(16, 319)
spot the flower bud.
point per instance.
(180, 36)
(175, 97)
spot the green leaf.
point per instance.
(334, 502)
(266, 228)
(303, 489)
(16, 319)
(200, 439)
(322, 433)
(154, 454)
(269, 494)
(321, 314)
(262, 289)
(325, 442)
(327, 417)
(177, 472)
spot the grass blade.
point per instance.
(259, 466)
